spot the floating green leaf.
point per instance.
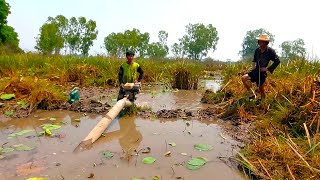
(107, 154)
(22, 147)
(136, 178)
(173, 144)
(196, 163)
(20, 133)
(36, 178)
(7, 96)
(50, 126)
(148, 160)
(9, 113)
(77, 120)
(53, 119)
(48, 132)
(156, 178)
(203, 147)
(6, 150)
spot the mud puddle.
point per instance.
(53, 157)
(126, 139)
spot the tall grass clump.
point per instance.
(285, 141)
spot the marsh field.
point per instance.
(198, 123)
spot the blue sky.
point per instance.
(286, 19)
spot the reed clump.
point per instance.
(285, 140)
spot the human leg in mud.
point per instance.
(121, 93)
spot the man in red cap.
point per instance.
(258, 74)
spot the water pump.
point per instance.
(131, 90)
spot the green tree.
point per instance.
(4, 12)
(117, 43)
(159, 49)
(249, 44)
(49, 40)
(199, 40)
(89, 34)
(8, 36)
(74, 35)
(293, 49)
(156, 50)
(177, 50)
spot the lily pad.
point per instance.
(136, 178)
(53, 119)
(26, 131)
(7, 96)
(149, 160)
(9, 113)
(173, 144)
(107, 154)
(203, 147)
(22, 147)
(36, 178)
(6, 150)
(47, 132)
(77, 120)
(196, 163)
(50, 126)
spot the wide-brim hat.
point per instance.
(263, 37)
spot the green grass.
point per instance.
(44, 79)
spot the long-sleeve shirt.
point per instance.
(262, 59)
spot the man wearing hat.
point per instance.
(128, 73)
(258, 74)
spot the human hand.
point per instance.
(264, 69)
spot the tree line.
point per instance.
(75, 36)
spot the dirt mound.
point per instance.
(178, 113)
(89, 106)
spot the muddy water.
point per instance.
(54, 158)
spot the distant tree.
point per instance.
(249, 44)
(8, 36)
(75, 35)
(293, 49)
(198, 41)
(177, 50)
(159, 49)
(163, 38)
(117, 43)
(80, 36)
(49, 39)
(4, 12)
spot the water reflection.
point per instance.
(128, 135)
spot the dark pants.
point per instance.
(254, 75)
(121, 94)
